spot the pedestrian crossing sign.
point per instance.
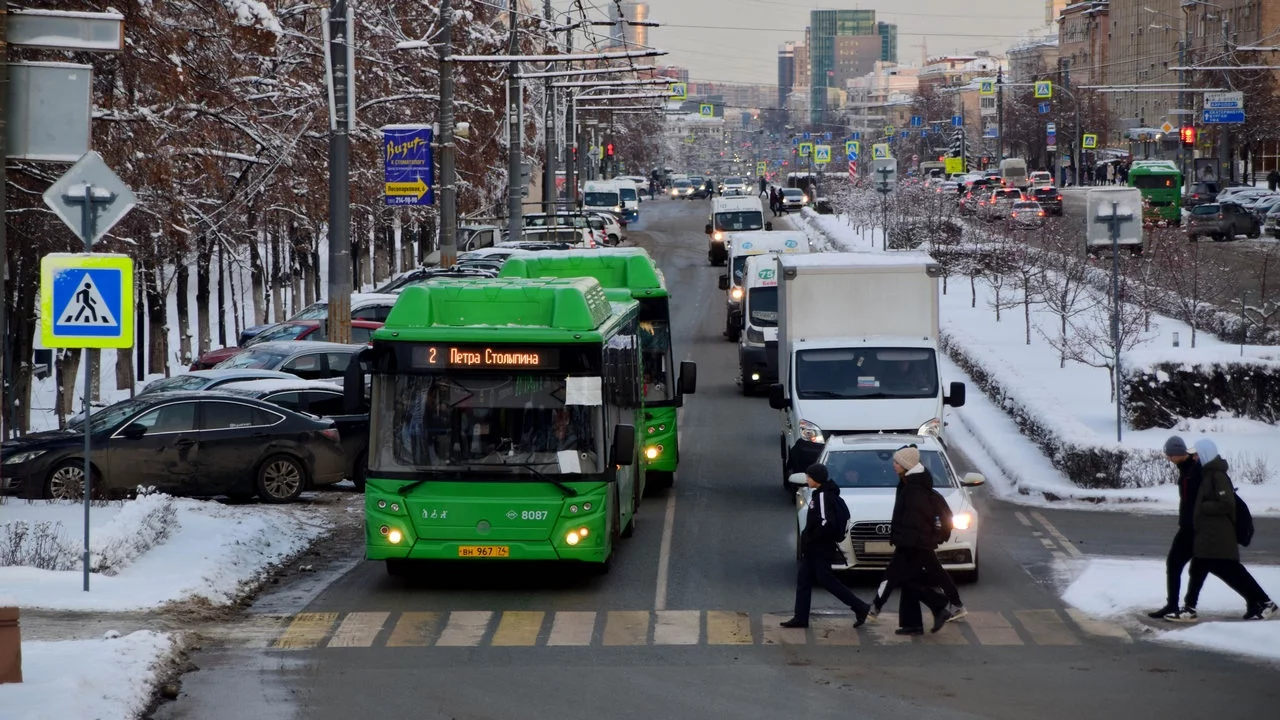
(1089, 141)
(1044, 89)
(986, 87)
(86, 300)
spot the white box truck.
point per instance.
(857, 350)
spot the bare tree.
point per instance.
(1092, 340)
(1027, 274)
(1064, 289)
(995, 264)
(1194, 274)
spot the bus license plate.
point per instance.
(484, 551)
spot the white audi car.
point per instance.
(862, 465)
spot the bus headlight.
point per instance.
(395, 536)
(653, 451)
(573, 537)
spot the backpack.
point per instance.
(1244, 523)
(838, 521)
(942, 522)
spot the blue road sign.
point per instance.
(957, 121)
(1043, 108)
(407, 165)
(917, 121)
(795, 142)
(904, 133)
(857, 136)
(1211, 116)
(807, 136)
(86, 300)
(853, 156)
(826, 135)
(924, 132)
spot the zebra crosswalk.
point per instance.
(630, 628)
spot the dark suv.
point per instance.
(1050, 198)
(1222, 221)
(1200, 193)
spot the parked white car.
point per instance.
(862, 465)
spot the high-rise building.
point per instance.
(623, 34)
(888, 41)
(786, 72)
(844, 44)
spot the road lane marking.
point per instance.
(883, 629)
(1099, 628)
(518, 628)
(951, 634)
(415, 629)
(572, 628)
(677, 627)
(1022, 518)
(728, 628)
(358, 629)
(668, 529)
(306, 630)
(465, 628)
(1048, 544)
(775, 634)
(1062, 539)
(835, 631)
(626, 627)
(1046, 627)
(991, 628)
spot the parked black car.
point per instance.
(181, 443)
(1221, 221)
(324, 400)
(1050, 199)
(1200, 193)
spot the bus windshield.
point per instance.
(470, 421)
(655, 348)
(1154, 182)
(740, 220)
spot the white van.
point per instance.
(731, 214)
(602, 196)
(1013, 173)
(742, 245)
(758, 345)
(629, 192)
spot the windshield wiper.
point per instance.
(568, 491)
(406, 489)
(825, 394)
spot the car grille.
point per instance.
(863, 532)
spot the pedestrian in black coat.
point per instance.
(914, 536)
(1180, 552)
(819, 550)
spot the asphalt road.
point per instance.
(685, 626)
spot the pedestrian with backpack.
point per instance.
(1181, 550)
(1219, 519)
(914, 533)
(826, 525)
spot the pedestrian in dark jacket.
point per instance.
(820, 549)
(914, 536)
(1180, 551)
(773, 200)
(764, 184)
(1273, 180)
(1214, 548)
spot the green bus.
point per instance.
(634, 271)
(502, 423)
(1160, 182)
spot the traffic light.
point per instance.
(575, 153)
(1188, 135)
(608, 149)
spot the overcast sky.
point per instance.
(738, 40)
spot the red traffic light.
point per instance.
(608, 149)
(1188, 135)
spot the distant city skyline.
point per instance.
(737, 41)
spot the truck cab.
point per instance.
(758, 341)
(871, 367)
(741, 246)
(728, 215)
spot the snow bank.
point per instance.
(101, 679)
(212, 553)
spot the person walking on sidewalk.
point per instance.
(914, 536)
(1180, 552)
(773, 200)
(1215, 549)
(825, 527)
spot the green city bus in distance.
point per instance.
(1160, 183)
(502, 423)
(633, 270)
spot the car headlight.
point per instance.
(736, 293)
(811, 432)
(962, 521)
(22, 457)
(718, 235)
(931, 428)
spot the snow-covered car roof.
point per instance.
(258, 388)
(882, 442)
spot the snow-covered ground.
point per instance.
(160, 550)
(1123, 588)
(106, 679)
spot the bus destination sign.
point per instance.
(482, 357)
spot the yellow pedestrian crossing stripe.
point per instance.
(630, 628)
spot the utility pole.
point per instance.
(447, 186)
(339, 49)
(549, 135)
(1000, 115)
(514, 152)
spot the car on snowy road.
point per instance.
(862, 465)
(211, 379)
(201, 444)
